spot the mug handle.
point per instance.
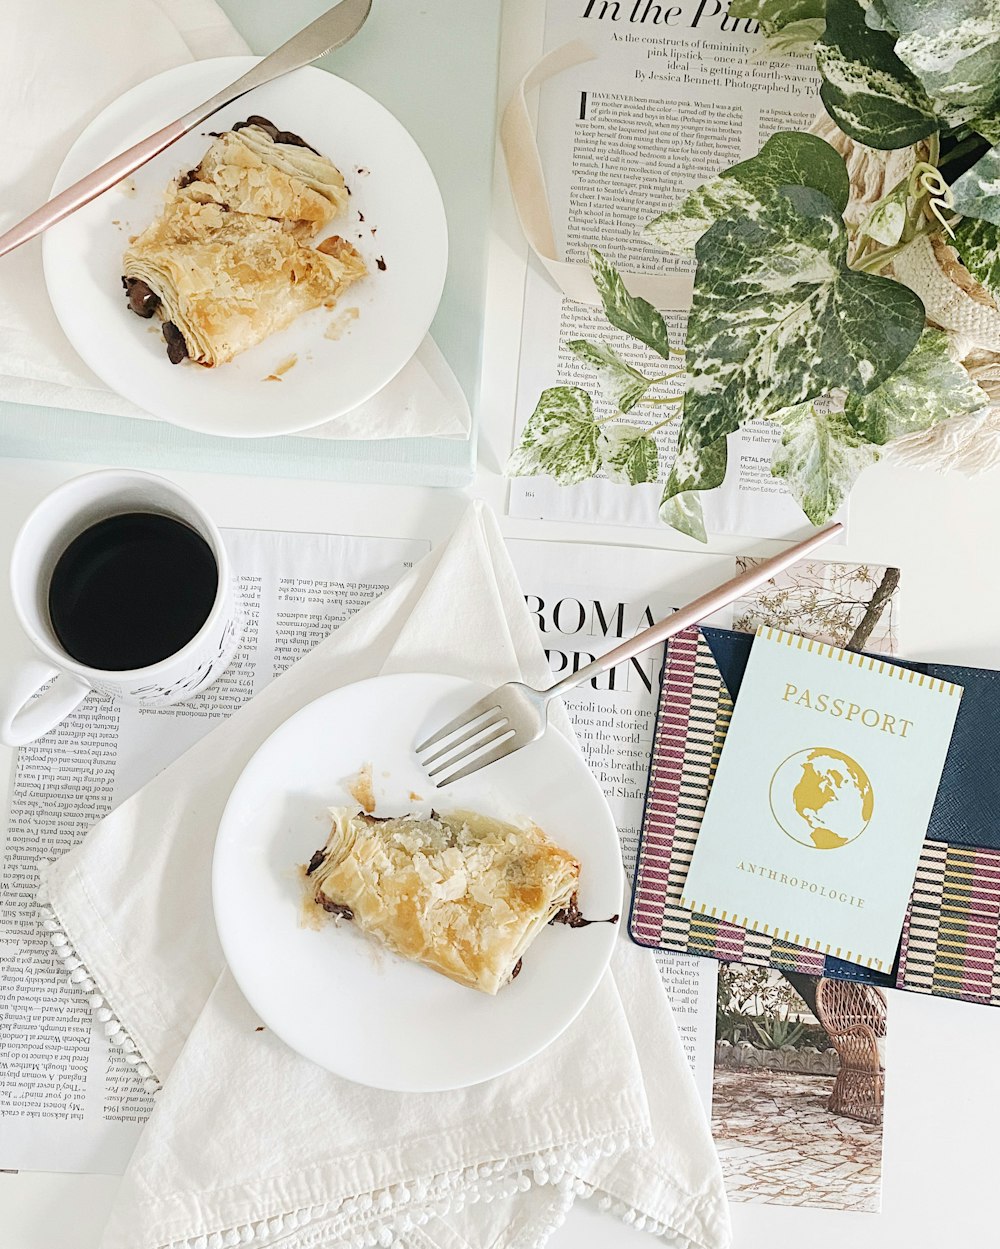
(23, 718)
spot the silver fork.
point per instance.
(515, 714)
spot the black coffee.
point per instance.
(131, 590)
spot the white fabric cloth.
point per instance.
(61, 63)
(250, 1143)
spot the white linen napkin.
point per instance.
(248, 1142)
(61, 63)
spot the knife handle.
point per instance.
(93, 184)
(113, 171)
(330, 30)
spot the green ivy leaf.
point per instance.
(929, 386)
(778, 318)
(694, 469)
(788, 25)
(820, 457)
(629, 454)
(978, 244)
(876, 16)
(796, 37)
(988, 125)
(786, 159)
(684, 513)
(561, 438)
(977, 191)
(867, 89)
(628, 312)
(953, 48)
(776, 14)
(886, 220)
(622, 384)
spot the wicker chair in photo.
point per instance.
(854, 1017)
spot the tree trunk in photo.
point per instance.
(804, 986)
(876, 606)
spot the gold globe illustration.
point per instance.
(821, 798)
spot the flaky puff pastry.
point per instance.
(227, 261)
(247, 172)
(463, 894)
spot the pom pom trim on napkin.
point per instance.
(376, 1218)
(82, 981)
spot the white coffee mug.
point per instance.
(44, 536)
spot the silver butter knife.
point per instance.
(330, 31)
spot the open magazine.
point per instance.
(674, 94)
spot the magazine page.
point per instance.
(68, 1099)
(799, 1086)
(675, 94)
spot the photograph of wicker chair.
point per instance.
(854, 1016)
(781, 1137)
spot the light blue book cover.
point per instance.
(821, 798)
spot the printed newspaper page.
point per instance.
(68, 1100)
(677, 93)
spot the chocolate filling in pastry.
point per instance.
(277, 136)
(231, 257)
(460, 893)
(141, 299)
(176, 346)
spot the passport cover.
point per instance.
(823, 792)
(949, 945)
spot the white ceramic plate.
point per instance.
(335, 996)
(394, 190)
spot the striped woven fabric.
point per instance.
(951, 937)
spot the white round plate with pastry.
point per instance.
(256, 279)
(509, 928)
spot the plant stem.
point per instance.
(862, 247)
(655, 381)
(663, 424)
(613, 417)
(877, 261)
(968, 144)
(934, 148)
(668, 399)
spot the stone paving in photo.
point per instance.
(779, 1144)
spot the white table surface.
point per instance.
(943, 1094)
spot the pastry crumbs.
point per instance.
(361, 789)
(339, 324)
(288, 363)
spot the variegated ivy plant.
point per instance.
(792, 318)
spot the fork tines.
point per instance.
(483, 725)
